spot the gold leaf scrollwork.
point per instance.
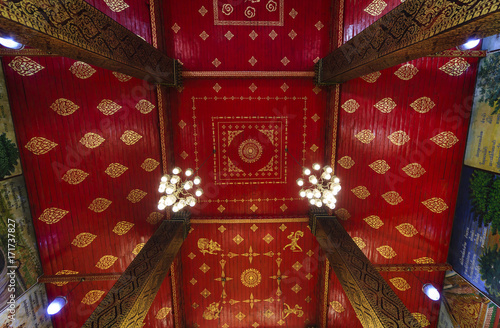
(92, 140)
(64, 107)
(144, 106)
(361, 192)
(149, 164)
(130, 137)
(445, 139)
(372, 77)
(392, 197)
(436, 205)
(297, 310)
(423, 105)
(106, 262)
(154, 217)
(232, 167)
(122, 227)
(40, 145)
(138, 248)
(82, 70)
(399, 138)
(376, 7)
(116, 5)
(227, 9)
(114, 170)
(294, 238)
(250, 151)
(74, 176)
(83, 240)
(374, 221)
(212, 311)
(424, 260)
(135, 195)
(162, 313)
(64, 272)
(422, 319)
(400, 283)
(122, 77)
(406, 72)
(365, 136)
(407, 230)
(251, 278)
(350, 106)
(25, 66)
(385, 105)
(386, 251)
(455, 67)
(360, 242)
(414, 170)
(207, 246)
(108, 107)
(92, 297)
(99, 205)
(337, 307)
(380, 166)
(346, 162)
(343, 214)
(271, 6)
(52, 215)
(250, 12)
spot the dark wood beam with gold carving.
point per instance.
(129, 300)
(77, 30)
(375, 303)
(414, 29)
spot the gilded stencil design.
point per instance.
(436, 205)
(350, 106)
(423, 105)
(250, 151)
(99, 205)
(106, 262)
(116, 5)
(92, 296)
(135, 195)
(138, 248)
(154, 218)
(376, 7)
(343, 214)
(268, 238)
(360, 242)
(374, 221)
(114, 170)
(64, 272)
(130, 137)
(122, 227)
(108, 107)
(400, 283)
(144, 106)
(64, 107)
(294, 238)
(251, 278)
(445, 139)
(82, 70)
(422, 319)
(149, 164)
(399, 138)
(74, 176)
(372, 77)
(25, 66)
(40, 145)
(455, 67)
(406, 72)
(385, 105)
(365, 136)
(392, 197)
(162, 313)
(361, 192)
(407, 230)
(346, 162)
(52, 215)
(83, 240)
(92, 140)
(204, 268)
(212, 311)
(122, 77)
(424, 260)
(208, 246)
(386, 251)
(380, 166)
(414, 170)
(297, 310)
(337, 307)
(256, 13)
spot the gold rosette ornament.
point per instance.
(227, 9)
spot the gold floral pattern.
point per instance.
(455, 67)
(406, 72)
(445, 139)
(337, 307)
(52, 215)
(116, 5)
(138, 248)
(144, 106)
(422, 319)
(374, 221)
(251, 278)
(361, 192)
(92, 140)
(250, 151)
(74, 176)
(114, 170)
(436, 205)
(386, 251)
(108, 107)
(122, 77)
(92, 296)
(392, 197)
(40, 145)
(83, 240)
(135, 195)
(372, 77)
(99, 205)
(106, 262)
(346, 162)
(64, 272)
(407, 230)
(414, 170)
(25, 66)
(64, 107)
(424, 260)
(399, 138)
(376, 7)
(122, 227)
(423, 105)
(385, 105)
(400, 283)
(154, 217)
(149, 164)
(343, 214)
(130, 137)
(162, 313)
(350, 106)
(380, 166)
(82, 70)
(365, 136)
(360, 242)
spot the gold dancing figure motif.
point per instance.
(208, 246)
(294, 237)
(212, 311)
(297, 310)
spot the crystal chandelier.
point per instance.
(178, 193)
(319, 190)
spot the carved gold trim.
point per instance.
(229, 221)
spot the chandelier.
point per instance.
(319, 190)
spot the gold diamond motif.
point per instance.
(205, 293)
(281, 322)
(108, 107)
(106, 262)
(253, 35)
(365, 136)
(83, 240)
(254, 208)
(216, 87)
(310, 253)
(421, 319)
(268, 313)
(130, 137)
(314, 148)
(293, 13)
(255, 325)
(175, 28)
(283, 227)
(240, 316)
(203, 11)
(162, 313)
(400, 283)
(423, 105)
(216, 62)
(273, 35)
(25, 66)
(319, 25)
(360, 242)
(350, 106)
(296, 288)
(392, 197)
(406, 72)
(376, 7)
(154, 218)
(238, 239)
(122, 227)
(361, 192)
(407, 230)
(292, 34)
(346, 162)
(414, 170)
(254, 228)
(399, 138)
(64, 107)
(114, 170)
(386, 251)
(284, 87)
(52, 215)
(82, 70)
(317, 90)
(455, 67)
(138, 248)
(436, 205)
(204, 268)
(182, 124)
(144, 106)
(268, 238)
(445, 139)
(192, 255)
(229, 35)
(99, 205)
(315, 118)
(204, 35)
(372, 77)
(92, 140)
(283, 207)
(40, 145)
(221, 208)
(252, 87)
(222, 229)
(380, 166)
(251, 278)
(184, 155)
(424, 260)
(195, 306)
(385, 105)
(135, 195)
(309, 276)
(343, 214)
(297, 266)
(74, 176)
(193, 281)
(285, 61)
(64, 272)
(374, 221)
(122, 77)
(92, 296)
(337, 307)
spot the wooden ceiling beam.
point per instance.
(414, 29)
(375, 303)
(77, 30)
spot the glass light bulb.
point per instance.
(309, 193)
(175, 208)
(199, 192)
(162, 189)
(313, 179)
(306, 171)
(164, 178)
(189, 172)
(327, 177)
(197, 180)
(176, 170)
(170, 189)
(9, 43)
(302, 193)
(188, 185)
(170, 200)
(316, 166)
(162, 206)
(431, 292)
(312, 201)
(328, 169)
(175, 179)
(336, 180)
(319, 203)
(56, 305)
(300, 182)
(317, 194)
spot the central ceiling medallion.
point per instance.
(251, 278)
(250, 151)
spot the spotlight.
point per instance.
(57, 304)
(11, 44)
(431, 292)
(469, 44)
